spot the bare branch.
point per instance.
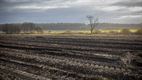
(93, 23)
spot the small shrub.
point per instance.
(125, 31)
(67, 32)
(139, 31)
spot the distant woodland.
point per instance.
(20, 28)
(37, 28)
(27, 27)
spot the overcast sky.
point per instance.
(46, 11)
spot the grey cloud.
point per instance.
(10, 10)
(129, 3)
(12, 5)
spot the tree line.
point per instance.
(61, 26)
(20, 28)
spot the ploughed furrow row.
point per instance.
(12, 54)
(10, 75)
(92, 44)
(78, 40)
(85, 38)
(26, 75)
(124, 37)
(42, 69)
(68, 54)
(73, 66)
(87, 44)
(56, 58)
(82, 38)
(39, 46)
(70, 58)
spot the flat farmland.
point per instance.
(44, 57)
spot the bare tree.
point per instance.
(93, 23)
(10, 28)
(30, 28)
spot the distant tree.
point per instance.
(93, 23)
(28, 27)
(10, 29)
(5, 28)
(39, 30)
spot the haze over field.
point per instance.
(70, 11)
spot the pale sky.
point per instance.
(53, 11)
